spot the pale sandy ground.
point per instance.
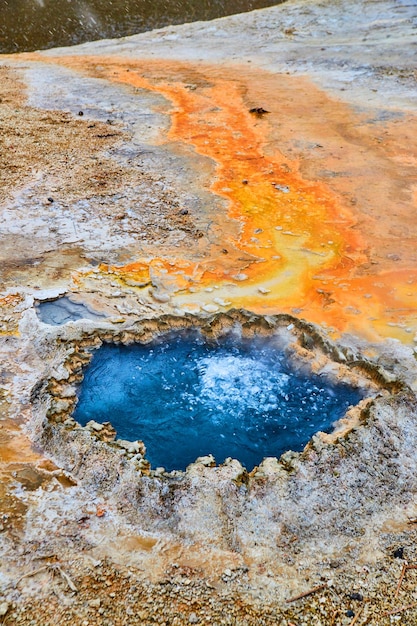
(134, 212)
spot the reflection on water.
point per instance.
(37, 24)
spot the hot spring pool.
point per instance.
(185, 397)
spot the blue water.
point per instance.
(186, 398)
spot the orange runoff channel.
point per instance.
(299, 242)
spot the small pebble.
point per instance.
(80, 113)
(50, 200)
(4, 607)
(350, 613)
(193, 619)
(283, 188)
(398, 553)
(356, 596)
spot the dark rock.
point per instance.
(259, 111)
(356, 596)
(398, 553)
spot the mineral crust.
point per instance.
(259, 171)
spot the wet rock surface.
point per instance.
(63, 310)
(303, 214)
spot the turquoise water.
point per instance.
(186, 398)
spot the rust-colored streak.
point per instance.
(323, 195)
